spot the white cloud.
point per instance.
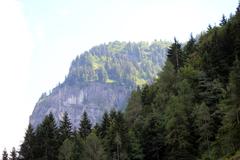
(15, 52)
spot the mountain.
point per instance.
(102, 79)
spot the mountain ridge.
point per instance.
(102, 79)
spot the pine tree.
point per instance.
(46, 136)
(27, 147)
(223, 21)
(65, 128)
(5, 155)
(104, 125)
(175, 54)
(13, 154)
(116, 139)
(189, 48)
(85, 126)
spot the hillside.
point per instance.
(102, 79)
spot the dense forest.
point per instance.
(191, 111)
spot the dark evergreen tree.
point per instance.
(65, 128)
(104, 125)
(47, 139)
(175, 55)
(27, 147)
(223, 21)
(5, 155)
(85, 126)
(116, 141)
(189, 49)
(13, 154)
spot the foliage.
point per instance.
(130, 63)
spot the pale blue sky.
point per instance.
(40, 38)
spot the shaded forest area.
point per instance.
(192, 111)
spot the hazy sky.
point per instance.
(40, 38)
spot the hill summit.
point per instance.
(102, 79)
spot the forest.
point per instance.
(191, 111)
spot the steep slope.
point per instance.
(102, 79)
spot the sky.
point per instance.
(39, 39)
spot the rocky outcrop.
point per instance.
(100, 80)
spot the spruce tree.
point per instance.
(27, 147)
(104, 125)
(223, 21)
(5, 155)
(47, 139)
(175, 55)
(189, 49)
(65, 128)
(85, 126)
(13, 154)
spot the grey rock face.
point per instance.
(95, 98)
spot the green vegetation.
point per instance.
(129, 64)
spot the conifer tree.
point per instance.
(27, 147)
(5, 155)
(175, 54)
(223, 21)
(65, 128)
(13, 154)
(189, 48)
(47, 139)
(104, 125)
(85, 126)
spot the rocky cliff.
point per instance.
(102, 79)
